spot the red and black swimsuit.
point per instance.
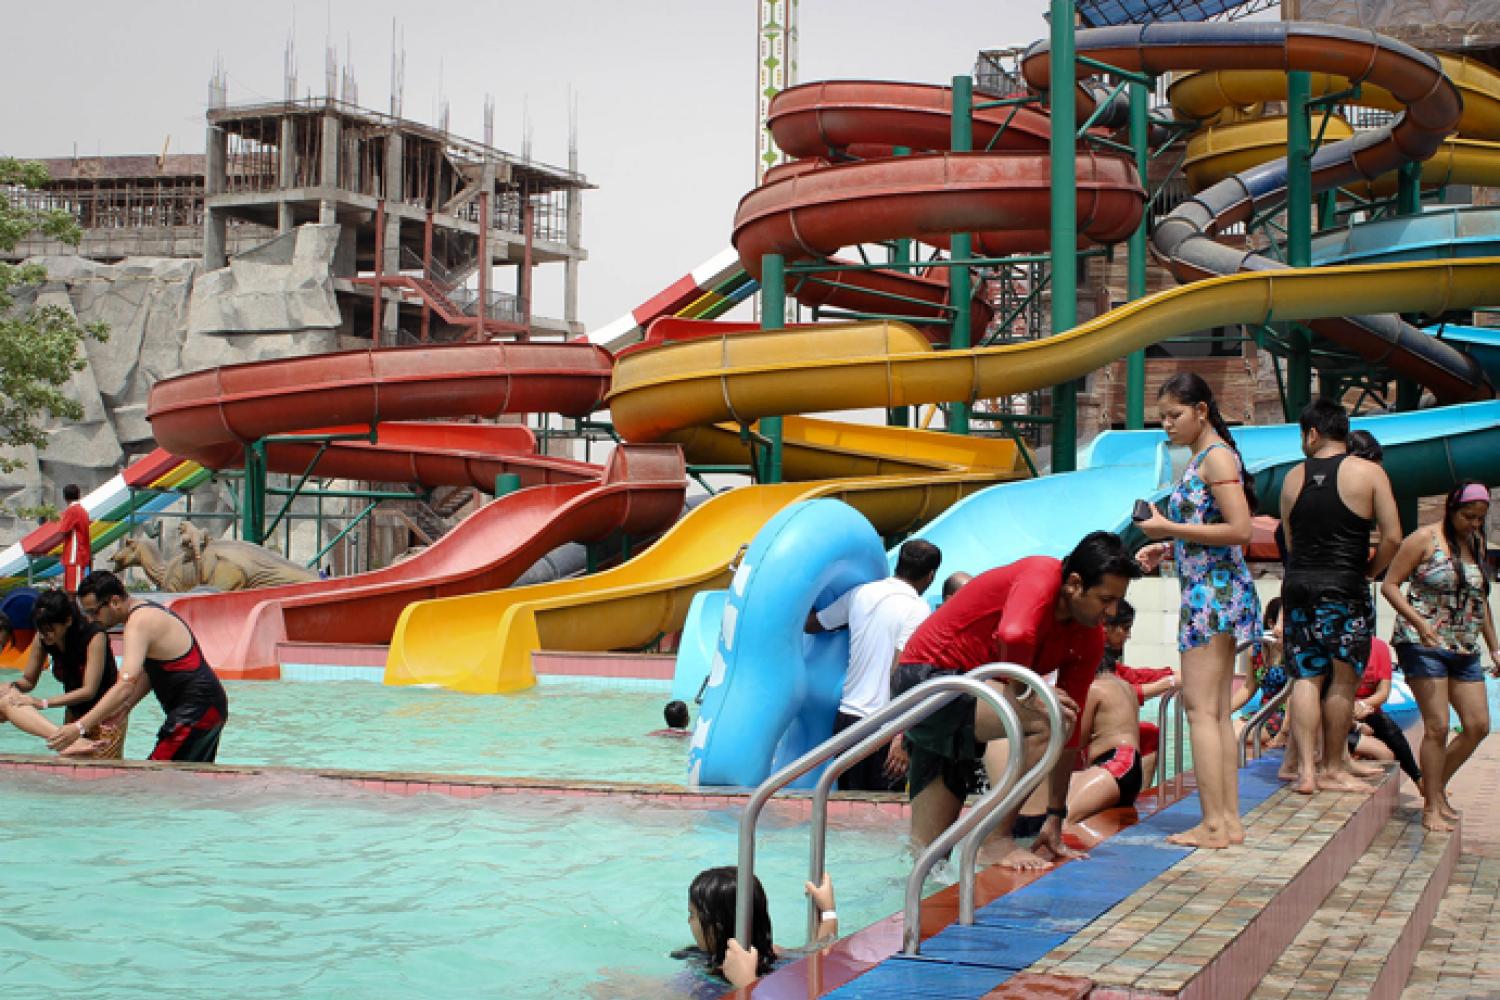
(192, 697)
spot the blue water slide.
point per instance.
(773, 691)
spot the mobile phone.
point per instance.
(1143, 511)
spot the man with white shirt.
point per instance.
(880, 617)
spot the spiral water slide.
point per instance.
(1431, 106)
(209, 416)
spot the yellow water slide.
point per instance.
(1236, 138)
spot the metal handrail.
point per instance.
(1257, 724)
(1017, 791)
(1163, 704)
(1009, 720)
(929, 696)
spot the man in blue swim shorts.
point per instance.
(1329, 504)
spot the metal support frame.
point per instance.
(961, 140)
(1135, 362)
(772, 317)
(1063, 100)
(1299, 230)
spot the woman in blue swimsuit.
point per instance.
(1208, 522)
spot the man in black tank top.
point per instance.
(1329, 504)
(161, 655)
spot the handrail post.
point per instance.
(928, 696)
(1162, 729)
(1016, 790)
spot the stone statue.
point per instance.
(175, 576)
(230, 565)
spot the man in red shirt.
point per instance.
(78, 552)
(1038, 613)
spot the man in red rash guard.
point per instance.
(1037, 613)
(77, 553)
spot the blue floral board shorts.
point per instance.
(1326, 630)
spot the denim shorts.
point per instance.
(1424, 661)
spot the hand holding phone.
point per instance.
(1143, 511)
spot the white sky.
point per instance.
(665, 91)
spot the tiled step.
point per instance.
(1363, 940)
(1461, 956)
(1213, 924)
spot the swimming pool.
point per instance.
(559, 729)
(168, 884)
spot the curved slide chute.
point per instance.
(1432, 108)
(640, 493)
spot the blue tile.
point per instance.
(902, 977)
(992, 946)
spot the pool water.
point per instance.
(169, 885)
(555, 730)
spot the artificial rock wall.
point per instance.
(166, 316)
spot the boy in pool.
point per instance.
(675, 714)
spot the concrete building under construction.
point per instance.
(425, 217)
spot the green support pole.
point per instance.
(1135, 364)
(1298, 230)
(772, 317)
(1408, 392)
(506, 482)
(1328, 210)
(253, 502)
(961, 141)
(900, 416)
(1064, 227)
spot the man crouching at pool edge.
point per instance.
(1038, 613)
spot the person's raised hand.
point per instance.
(1155, 527)
(739, 963)
(822, 893)
(1149, 557)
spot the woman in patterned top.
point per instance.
(1208, 521)
(1440, 620)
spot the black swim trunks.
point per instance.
(1321, 628)
(1124, 765)
(941, 745)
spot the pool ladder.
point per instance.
(857, 742)
(1172, 701)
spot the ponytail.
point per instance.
(1190, 388)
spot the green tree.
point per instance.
(40, 347)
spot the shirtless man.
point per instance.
(1329, 504)
(161, 655)
(1114, 775)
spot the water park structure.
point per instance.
(940, 260)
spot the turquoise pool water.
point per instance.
(168, 885)
(555, 730)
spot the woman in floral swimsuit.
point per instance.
(1208, 522)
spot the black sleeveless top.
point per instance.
(71, 662)
(1330, 543)
(186, 686)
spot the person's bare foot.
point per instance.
(1287, 771)
(1200, 836)
(1363, 770)
(1022, 860)
(1235, 830)
(1306, 784)
(1446, 808)
(1432, 820)
(80, 748)
(1341, 781)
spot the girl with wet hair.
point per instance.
(1208, 523)
(712, 898)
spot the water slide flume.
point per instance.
(1432, 109)
(797, 372)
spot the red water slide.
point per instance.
(641, 492)
(209, 416)
(811, 208)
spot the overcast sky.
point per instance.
(665, 90)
